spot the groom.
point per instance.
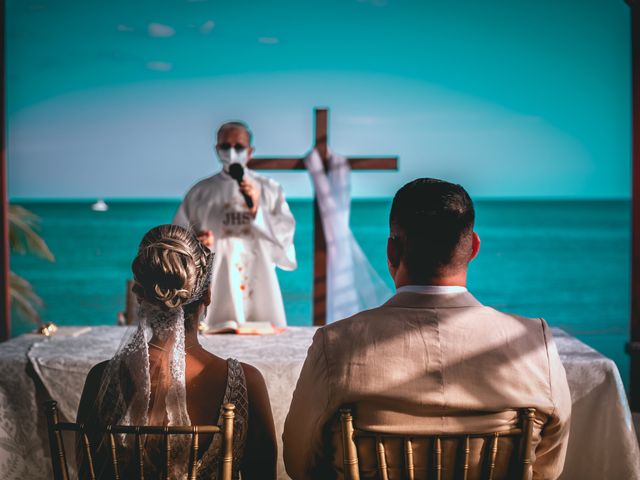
(248, 224)
(430, 352)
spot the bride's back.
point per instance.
(162, 376)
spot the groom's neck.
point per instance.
(449, 279)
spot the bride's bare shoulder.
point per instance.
(203, 364)
(255, 380)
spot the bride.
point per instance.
(161, 375)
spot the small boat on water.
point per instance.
(100, 206)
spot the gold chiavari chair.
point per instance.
(111, 432)
(467, 456)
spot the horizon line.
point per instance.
(124, 199)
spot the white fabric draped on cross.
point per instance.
(352, 283)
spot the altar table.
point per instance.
(602, 444)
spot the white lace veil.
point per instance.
(144, 383)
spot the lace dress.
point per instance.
(236, 393)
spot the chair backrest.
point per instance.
(467, 456)
(111, 433)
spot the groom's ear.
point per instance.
(475, 245)
(394, 251)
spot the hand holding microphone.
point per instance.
(248, 189)
(206, 238)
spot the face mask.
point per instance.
(231, 155)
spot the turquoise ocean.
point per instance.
(566, 261)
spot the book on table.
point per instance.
(249, 328)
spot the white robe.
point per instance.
(244, 286)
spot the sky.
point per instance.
(526, 99)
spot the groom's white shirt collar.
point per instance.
(432, 289)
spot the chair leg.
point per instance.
(56, 446)
(349, 451)
(228, 416)
(527, 435)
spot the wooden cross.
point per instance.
(319, 242)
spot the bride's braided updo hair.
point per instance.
(172, 268)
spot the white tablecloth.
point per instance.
(602, 445)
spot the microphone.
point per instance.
(237, 173)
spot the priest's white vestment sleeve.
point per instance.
(245, 286)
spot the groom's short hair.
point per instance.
(432, 223)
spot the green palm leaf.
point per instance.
(23, 238)
(23, 298)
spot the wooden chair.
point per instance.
(112, 432)
(487, 455)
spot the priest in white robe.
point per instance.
(249, 226)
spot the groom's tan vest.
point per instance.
(420, 358)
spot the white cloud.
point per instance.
(160, 30)
(207, 26)
(124, 28)
(269, 40)
(160, 66)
